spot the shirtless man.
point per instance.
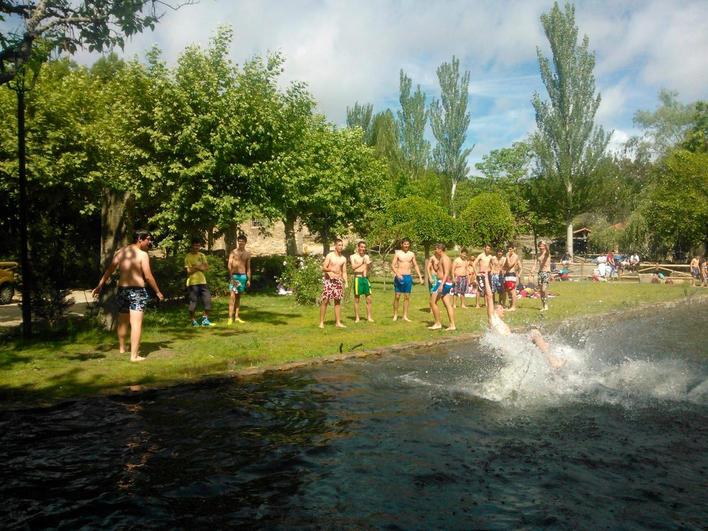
(134, 265)
(442, 289)
(695, 266)
(511, 271)
(239, 278)
(402, 266)
(496, 280)
(334, 281)
(495, 317)
(461, 275)
(482, 266)
(543, 266)
(360, 262)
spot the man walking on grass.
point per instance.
(196, 265)
(360, 265)
(239, 277)
(133, 263)
(442, 289)
(402, 266)
(334, 282)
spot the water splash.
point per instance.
(590, 375)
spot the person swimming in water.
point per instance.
(497, 324)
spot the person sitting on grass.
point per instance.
(496, 323)
(196, 265)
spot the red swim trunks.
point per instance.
(333, 288)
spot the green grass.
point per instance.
(277, 331)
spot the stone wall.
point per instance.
(270, 240)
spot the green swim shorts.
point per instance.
(237, 283)
(361, 286)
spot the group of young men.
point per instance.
(449, 280)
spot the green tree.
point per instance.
(676, 206)
(425, 222)
(697, 136)
(568, 145)
(487, 219)
(411, 127)
(449, 120)
(67, 26)
(663, 128)
(362, 115)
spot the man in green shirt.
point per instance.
(196, 264)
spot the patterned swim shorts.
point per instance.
(461, 285)
(496, 283)
(333, 289)
(544, 278)
(132, 298)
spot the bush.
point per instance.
(487, 219)
(303, 275)
(266, 270)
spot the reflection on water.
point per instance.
(481, 435)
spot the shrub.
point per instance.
(487, 219)
(303, 275)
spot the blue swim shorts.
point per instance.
(403, 285)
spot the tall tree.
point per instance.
(362, 115)
(449, 120)
(567, 144)
(411, 127)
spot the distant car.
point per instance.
(8, 281)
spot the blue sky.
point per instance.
(351, 51)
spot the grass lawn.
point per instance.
(277, 331)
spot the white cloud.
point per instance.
(349, 51)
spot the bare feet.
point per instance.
(435, 327)
(395, 318)
(321, 325)
(405, 318)
(357, 320)
(450, 329)
(370, 320)
(340, 325)
(137, 358)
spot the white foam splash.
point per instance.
(524, 378)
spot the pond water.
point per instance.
(476, 435)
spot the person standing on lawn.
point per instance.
(239, 277)
(443, 289)
(360, 266)
(402, 266)
(482, 266)
(195, 263)
(334, 282)
(543, 266)
(133, 262)
(511, 271)
(460, 273)
(496, 279)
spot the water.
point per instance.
(479, 435)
